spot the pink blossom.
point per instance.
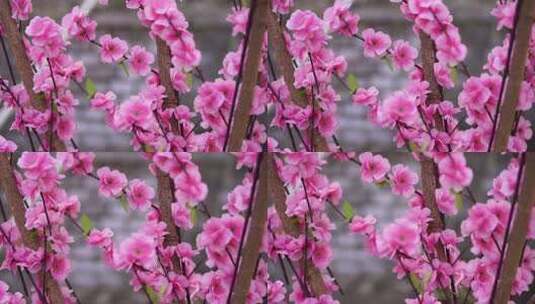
(454, 173)
(402, 236)
(21, 9)
(282, 6)
(363, 225)
(403, 180)
(79, 25)
(321, 255)
(46, 36)
(100, 238)
(113, 49)
(215, 234)
(367, 97)
(403, 55)
(238, 18)
(140, 60)
(445, 201)
(60, 266)
(400, 107)
(137, 250)
(308, 30)
(373, 167)
(181, 216)
(375, 43)
(189, 187)
(185, 54)
(139, 194)
(276, 292)
(442, 74)
(481, 221)
(450, 49)
(65, 127)
(340, 19)
(35, 164)
(112, 182)
(7, 145)
(103, 101)
(474, 94)
(505, 13)
(134, 112)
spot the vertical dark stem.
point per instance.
(251, 236)
(513, 76)
(249, 64)
(518, 234)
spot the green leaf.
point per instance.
(459, 201)
(388, 62)
(302, 93)
(352, 82)
(414, 147)
(454, 75)
(123, 66)
(124, 202)
(382, 184)
(153, 296)
(189, 79)
(416, 282)
(86, 224)
(90, 88)
(193, 214)
(347, 210)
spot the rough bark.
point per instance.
(429, 174)
(428, 57)
(506, 118)
(250, 75)
(255, 234)
(166, 198)
(518, 233)
(276, 188)
(16, 203)
(285, 64)
(164, 69)
(23, 65)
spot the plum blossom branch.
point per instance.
(513, 77)
(514, 248)
(254, 231)
(251, 58)
(16, 202)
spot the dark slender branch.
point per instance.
(513, 76)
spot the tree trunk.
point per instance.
(16, 203)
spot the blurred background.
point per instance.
(212, 35)
(364, 278)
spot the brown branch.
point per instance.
(285, 64)
(16, 203)
(428, 57)
(518, 234)
(276, 189)
(255, 233)
(24, 66)
(164, 69)
(429, 177)
(250, 75)
(506, 117)
(166, 197)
